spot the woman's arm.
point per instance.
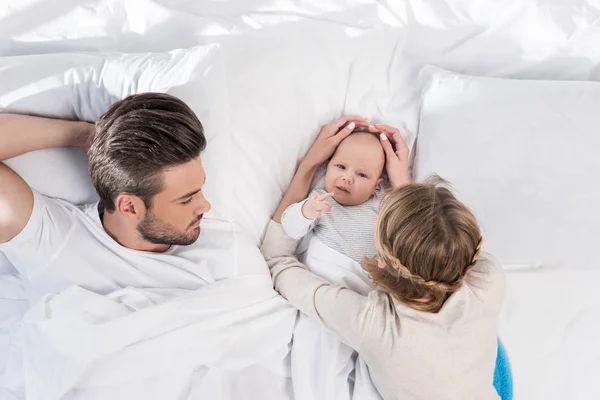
(344, 312)
(298, 189)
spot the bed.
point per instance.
(284, 68)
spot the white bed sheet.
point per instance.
(534, 39)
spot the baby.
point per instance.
(352, 179)
(345, 224)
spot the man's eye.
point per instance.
(188, 201)
(340, 166)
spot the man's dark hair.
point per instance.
(136, 139)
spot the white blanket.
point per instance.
(153, 344)
(322, 366)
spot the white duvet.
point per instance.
(292, 66)
(154, 345)
(322, 366)
(228, 339)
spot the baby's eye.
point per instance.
(362, 175)
(340, 166)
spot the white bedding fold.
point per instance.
(322, 366)
(75, 342)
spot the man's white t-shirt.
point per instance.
(63, 245)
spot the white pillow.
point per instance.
(84, 85)
(523, 155)
(285, 82)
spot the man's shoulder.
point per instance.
(68, 209)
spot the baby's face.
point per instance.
(355, 169)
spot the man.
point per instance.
(144, 156)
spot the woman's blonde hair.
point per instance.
(427, 241)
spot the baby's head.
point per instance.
(355, 169)
(427, 241)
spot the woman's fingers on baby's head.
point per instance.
(372, 128)
(399, 143)
(345, 119)
(344, 133)
(393, 142)
(386, 128)
(385, 141)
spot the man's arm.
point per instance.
(20, 134)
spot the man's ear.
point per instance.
(130, 206)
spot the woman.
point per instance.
(429, 329)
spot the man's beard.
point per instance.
(156, 232)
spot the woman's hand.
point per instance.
(330, 137)
(396, 154)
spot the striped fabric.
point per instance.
(350, 230)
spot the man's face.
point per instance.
(175, 214)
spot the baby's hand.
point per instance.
(315, 206)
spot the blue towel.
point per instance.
(502, 376)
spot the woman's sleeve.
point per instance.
(342, 311)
